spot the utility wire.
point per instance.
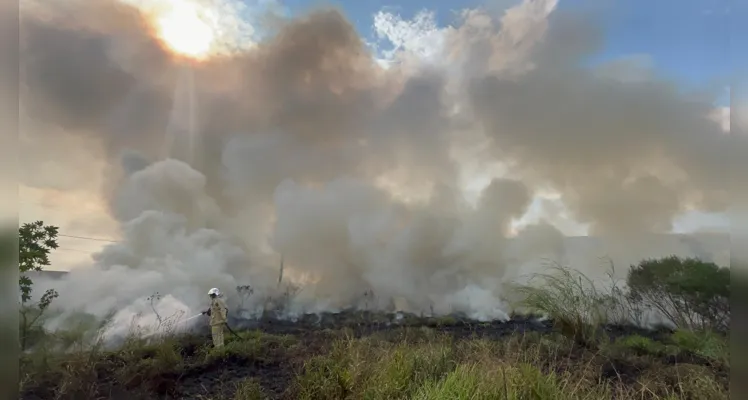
(88, 238)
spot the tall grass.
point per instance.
(577, 304)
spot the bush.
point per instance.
(703, 344)
(691, 293)
(640, 345)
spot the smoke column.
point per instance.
(354, 169)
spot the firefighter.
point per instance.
(218, 313)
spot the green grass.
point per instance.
(521, 367)
(641, 346)
(254, 345)
(521, 381)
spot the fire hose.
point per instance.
(232, 331)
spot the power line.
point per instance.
(88, 238)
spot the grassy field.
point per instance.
(584, 351)
(408, 362)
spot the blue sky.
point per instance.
(688, 40)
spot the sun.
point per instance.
(184, 30)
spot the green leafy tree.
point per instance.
(692, 293)
(35, 242)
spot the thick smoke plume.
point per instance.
(304, 145)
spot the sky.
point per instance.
(693, 41)
(687, 39)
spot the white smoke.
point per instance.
(349, 173)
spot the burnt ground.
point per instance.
(367, 323)
(275, 366)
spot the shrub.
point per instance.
(691, 293)
(704, 344)
(640, 345)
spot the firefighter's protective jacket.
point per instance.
(218, 311)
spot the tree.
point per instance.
(35, 242)
(691, 293)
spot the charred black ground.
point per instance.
(362, 323)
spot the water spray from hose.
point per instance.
(178, 323)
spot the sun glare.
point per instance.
(183, 28)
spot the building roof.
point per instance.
(49, 274)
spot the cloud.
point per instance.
(419, 37)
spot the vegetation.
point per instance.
(589, 350)
(687, 293)
(529, 366)
(577, 305)
(402, 363)
(35, 242)
(691, 293)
